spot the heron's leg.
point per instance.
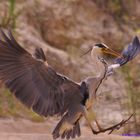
(114, 127)
(98, 125)
(88, 119)
(92, 116)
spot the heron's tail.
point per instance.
(66, 130)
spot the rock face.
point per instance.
(65, 27)
(65, 24)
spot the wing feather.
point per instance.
(35, 84)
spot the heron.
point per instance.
(39, 87)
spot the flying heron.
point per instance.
(39, 87)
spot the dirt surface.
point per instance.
(20, 129)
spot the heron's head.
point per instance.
(100, 49)
(104, 49)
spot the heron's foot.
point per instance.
(95, 132)
(115, 127)
(110, 71)
(121, 124)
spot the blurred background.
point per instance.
(64, 29)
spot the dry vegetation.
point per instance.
(63, 28)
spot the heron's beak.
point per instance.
(112, 52)
(89, 50)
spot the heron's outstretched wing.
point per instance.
(130, 52)
(35, 84)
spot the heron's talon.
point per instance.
(95, 132)
(109, 73)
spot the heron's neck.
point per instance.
(98, 65)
